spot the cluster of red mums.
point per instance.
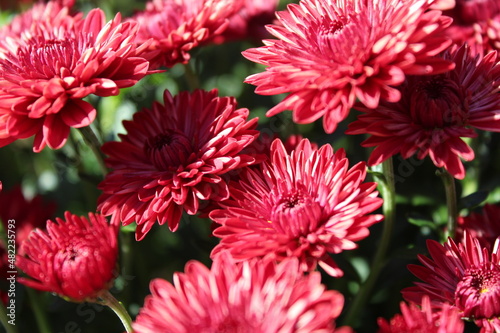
(422, 73)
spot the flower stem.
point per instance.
(40, 316)
(191, 77)
(451, 202)
(5, 320)
(118, 308)
(94, 143)
(387, 190)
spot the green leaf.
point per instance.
(473, 200)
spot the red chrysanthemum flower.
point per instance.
(178, 26)
(250, 21)
(466, 276)
(331, 52)
(484, 226)
(477, 23)
(413, 319)
(435, 112)
(173, 156)
(75, 258)
(50, 68)
(254, 296)
(305, 204)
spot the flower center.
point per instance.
(168, 151)
(43, 58)
(328, 32)
(437, 102)
(478, 293)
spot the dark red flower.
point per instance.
(254, 296)
(329, 53)
(414, 319)
(178, 26)
(477, 23)
(435, 112)
(464, 275)
(482, 225)
(306, 204)
(173, 156)
(47, 71)
(75, 258)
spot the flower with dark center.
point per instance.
(75, 258)
(173, 156)
(435, 113)
(305, 204)
(329, 53)
(46, 70)
(464, 275)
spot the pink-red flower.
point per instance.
(464, 275)
(413, 319)
(173, 156)
(48, 69)
(328, 53)
(75, 258)
(477, 23)
(484, 225)
(306, 204)
(249, 22)
(256, 296)
(178, 26)
(435, 113)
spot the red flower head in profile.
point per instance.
(178, 26)
(477, 23)
(305, 204)
(253, 296)
(445, 319)
(173, 156)
(464, 275)
(328, 53)
(435, 112)
(482, 225)
(47, 71)
(75, 258)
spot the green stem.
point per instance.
(5, 320)
(38, 310)
(118, 308)
(95, 144)
(191, 77)
(451, 202)
(387, 190)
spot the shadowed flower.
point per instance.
(49, 69)
(483, 225)
(328, 53)
(249, 22)
(412, 319)
(464, 275)
(75, 258)
(173, 156)
(477, 23)
(305, 204)
(435, 112)
(254, 296)
(27, 214)
(178, 26)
